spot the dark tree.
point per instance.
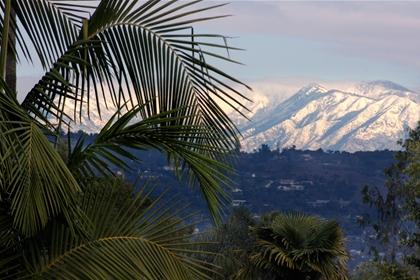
(396, 216)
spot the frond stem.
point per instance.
(5, 38)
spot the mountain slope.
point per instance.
(368, 116)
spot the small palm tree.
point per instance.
(298, 246)
(58, 218)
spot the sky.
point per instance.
(334, 43)
(289, 44)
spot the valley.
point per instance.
(325, 183)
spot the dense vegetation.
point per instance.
(277, 246)
(333, 176)
(260, 179)
(397, 219)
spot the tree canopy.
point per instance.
(395, 216)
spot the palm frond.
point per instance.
(181, 144)
(68, 222)
(126, 243)
(298, 243)
(45, 101)
(51, 26)
(138, 51)
(12, 245)
(142, 56)
(34, 177)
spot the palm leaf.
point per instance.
(34, 177)
(51, 26)
(138, 55)
(146, 59)
(126, 244)
(12, 246)
(295, 244)
(89, 160)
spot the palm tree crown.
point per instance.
(145, 59)
(298, 246)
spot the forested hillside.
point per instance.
(326, 183)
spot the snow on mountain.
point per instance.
(91, 121)
(379, 89)
(367, 116)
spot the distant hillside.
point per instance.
(325, 183)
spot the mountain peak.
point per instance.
(368, 116)
(388, 84)
(312, 87)
(377, 88)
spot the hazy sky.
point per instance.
(296, 42)
(291, 43)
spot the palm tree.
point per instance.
(58, 219)
(298, 246)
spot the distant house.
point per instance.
(268, 185)
(170, 168)
(291, 188)
(286, 182)
(236, 190)
(237, 202)
(298, 187)
(343, 203)
(307, 157)
(319, 203)
(307, 182)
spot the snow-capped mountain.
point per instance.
(91, 121)
(367, 116)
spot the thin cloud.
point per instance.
(377, 30)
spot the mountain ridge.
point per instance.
(369, 116)
(364, 117)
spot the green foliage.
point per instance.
(229, 244)
(134, 231)
(298, 246)
(397, 217)
(384, 271)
